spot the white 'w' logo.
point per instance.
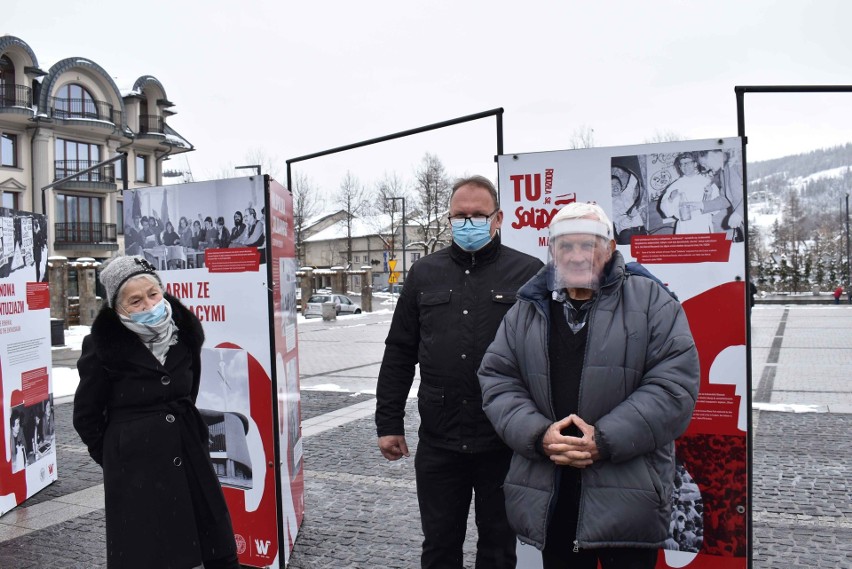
(262, 546)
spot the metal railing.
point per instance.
(64, 168)
(64, 108)
(15, 95)
(151, 123)
(80, 232)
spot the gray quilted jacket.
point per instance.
(638, 388)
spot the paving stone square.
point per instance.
(361, 510)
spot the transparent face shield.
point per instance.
(577, 255)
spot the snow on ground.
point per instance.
(65, 379)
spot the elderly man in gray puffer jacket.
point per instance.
(591, 377)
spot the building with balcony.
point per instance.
(59, 126)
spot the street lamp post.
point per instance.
(255, 167)
(392, 234)
(393, 208)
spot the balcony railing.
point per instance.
(81, 232)
(63, 108)
(65, 168)
(151, 123)
(15, 95)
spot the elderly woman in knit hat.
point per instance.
(135, 411)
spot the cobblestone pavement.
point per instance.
(361, 511)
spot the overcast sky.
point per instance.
(293, 78)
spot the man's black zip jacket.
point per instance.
(448, 313)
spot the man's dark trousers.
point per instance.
(445, 481)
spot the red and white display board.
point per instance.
(699, 254)
(28, 460)
(243, 290)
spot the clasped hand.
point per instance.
(578, 452)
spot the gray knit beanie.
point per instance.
(117, 271)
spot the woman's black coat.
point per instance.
(164, 504)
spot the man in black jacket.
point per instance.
(448, 313)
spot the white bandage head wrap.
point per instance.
(575, 261)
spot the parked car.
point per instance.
(342, 304)
(390, 289)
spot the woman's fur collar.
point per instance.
(113, 340)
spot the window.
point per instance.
(9, 150)
(141, 168)
(73, 101)
(7, 82)
(119, 217)
(119, 169)
(10, 200)
(73, 209)
(78, 219)
(73, 156)
(414, 256)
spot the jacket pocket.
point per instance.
(433, 414)
(435, 298)
(501, 302)
(435, 313)
(431, 394)
(504, 297)
(655, 479)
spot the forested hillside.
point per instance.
(797, 220)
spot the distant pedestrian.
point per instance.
(134, 409)
(838, 292)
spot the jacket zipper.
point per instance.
(579, 406)
(546, 319)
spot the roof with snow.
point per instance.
(361, 227)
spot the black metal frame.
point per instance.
(151, 124)
(740, 92)
(69, 233)
(498, 113)
(120, 156)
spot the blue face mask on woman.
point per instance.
(153, 316)
(472, 238)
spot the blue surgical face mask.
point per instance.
(472, 238)
(154, 315)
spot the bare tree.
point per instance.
(305, 206)
(268, 163)
(390, 186)
(432, 190)
(387, 193)
(351, 197)
(582, 137)
(664, 136)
